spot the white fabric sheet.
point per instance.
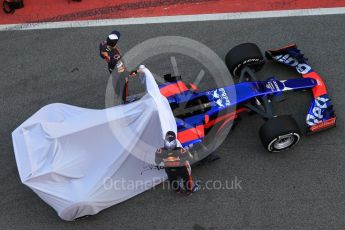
(81, 161)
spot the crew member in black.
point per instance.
(110, 52)
(176, 163)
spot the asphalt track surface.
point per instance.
(299, 189)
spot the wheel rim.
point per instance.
(284, 142)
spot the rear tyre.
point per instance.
(170, 78)
(246, 54)
(280, 133)
(7, 8)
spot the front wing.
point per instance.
(321, 114)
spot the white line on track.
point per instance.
(172, 19)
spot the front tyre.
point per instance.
(244, 55)
(280, 133)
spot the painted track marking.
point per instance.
(173, 19)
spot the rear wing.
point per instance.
(321, 114)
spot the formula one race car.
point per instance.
(81, 161)
(197, 112)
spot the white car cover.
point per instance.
(81, 161)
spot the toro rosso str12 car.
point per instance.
(197, 112)
(81, 161)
